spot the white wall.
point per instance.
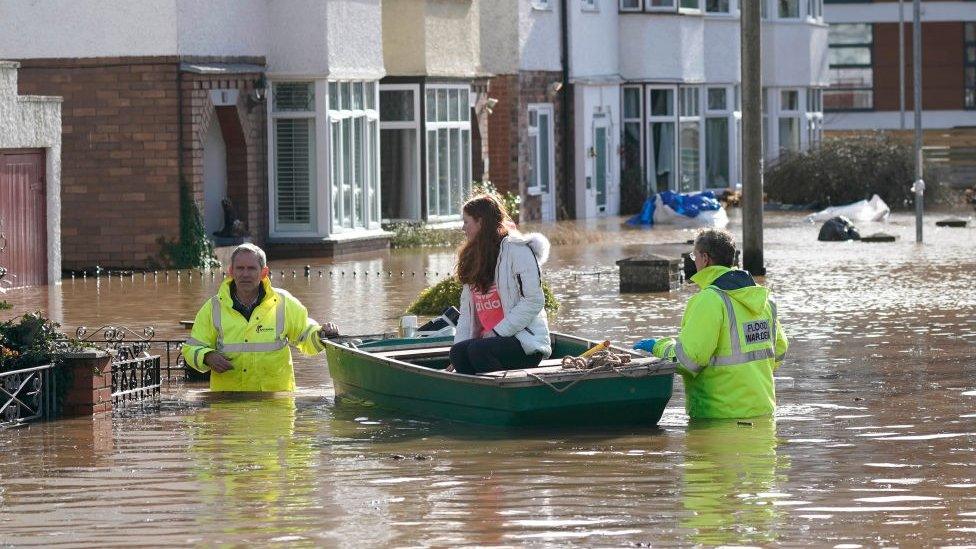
(887, 12)
(453, 41)
(663, 47)
(593, 40)
(795, 54)
(355, 39)
(35, 122)
(228, 27)
(87, 28)
(539, 45)
(890, 120)
(298, 44)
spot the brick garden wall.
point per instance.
(508, 131)
(120, 152)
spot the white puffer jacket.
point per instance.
(519, 282)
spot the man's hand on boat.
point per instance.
(328, 330)
(217, 362)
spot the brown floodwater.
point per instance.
(874, 442)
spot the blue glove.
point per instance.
(645, 345)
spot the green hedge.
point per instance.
(434, 299)
(845, 170)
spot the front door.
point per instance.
(601, 162)
(542, 160)
(23, 218)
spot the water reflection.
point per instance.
(731, 480)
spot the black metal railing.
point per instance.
(27, 394)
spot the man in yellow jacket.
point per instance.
(242, 334)
(730, 341)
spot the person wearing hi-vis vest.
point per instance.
(241, 335)
(730, 340)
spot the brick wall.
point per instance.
(120, 152)
(508, 137)
(942, 66)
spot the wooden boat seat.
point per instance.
(405, 354)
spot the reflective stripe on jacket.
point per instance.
(258, 348)
(729, 345)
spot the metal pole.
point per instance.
(752, 153)
(919, 186)
(901, 61)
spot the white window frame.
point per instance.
(590, 5)
(691, 11)
(777, 112)
(640, 121)
(728, 113)
(461, 126)
(534, 188)
(416, 125)
(673, 8)
(651, 118)
(368, 112)
(733, 10)
(814, 118)
(638, 9)
(317, 217)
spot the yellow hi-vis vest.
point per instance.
(729, 345)
(258, 348)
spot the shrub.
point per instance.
(511, 201)
(29, 341)
(845, 170)
(194, 248)
(420, 235)
(434, 299)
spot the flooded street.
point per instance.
(874, 442)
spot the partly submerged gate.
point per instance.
(23, 217)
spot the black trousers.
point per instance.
(475, 356)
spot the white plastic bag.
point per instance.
(664, 215)
(862, 210)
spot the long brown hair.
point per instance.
(478, 256)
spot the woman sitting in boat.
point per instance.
(503, 324)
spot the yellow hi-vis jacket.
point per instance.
(729, 345)
(258, 348)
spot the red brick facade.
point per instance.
(120, 151)
(508, 129)
(942, 66)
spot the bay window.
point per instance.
(689, 146)
(353, 122)
(448, 132)
(293, 167)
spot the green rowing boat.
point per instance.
(407, 375)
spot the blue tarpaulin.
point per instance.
(688, 205)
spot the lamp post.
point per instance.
(752, 154)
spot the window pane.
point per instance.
(442, 114)
(630, 4)
(631, 158)
(357, 95)
(545, 152)
(348, 177)
(294, 169)
(400, 188)
(396, 106)
(661, 169)
(455, 147)
(662, 102)
(716, 99)
(851, 78)
(690, 156)
(600, 145)
(716, 152)
(359, 183)
(690, 4)
(689, 102)
(374, 184)
(789, 134)
(345, 96)
(336, 173)
(533, 163)
(789, 9)
(431, 101)
(465, 105)
(294, 96)
(717, 6)
(333, 95)
(970, 98)
(970, 78)
(533, 118)
(465, 168)
(971, 54)
(443, 172)
(432, 173)
(849, 56)
(848, 99)
(970, 32)
(789, 100)
(849, 33)
(452, 105)
(660, 3)
(370, 95)
(631, 102)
